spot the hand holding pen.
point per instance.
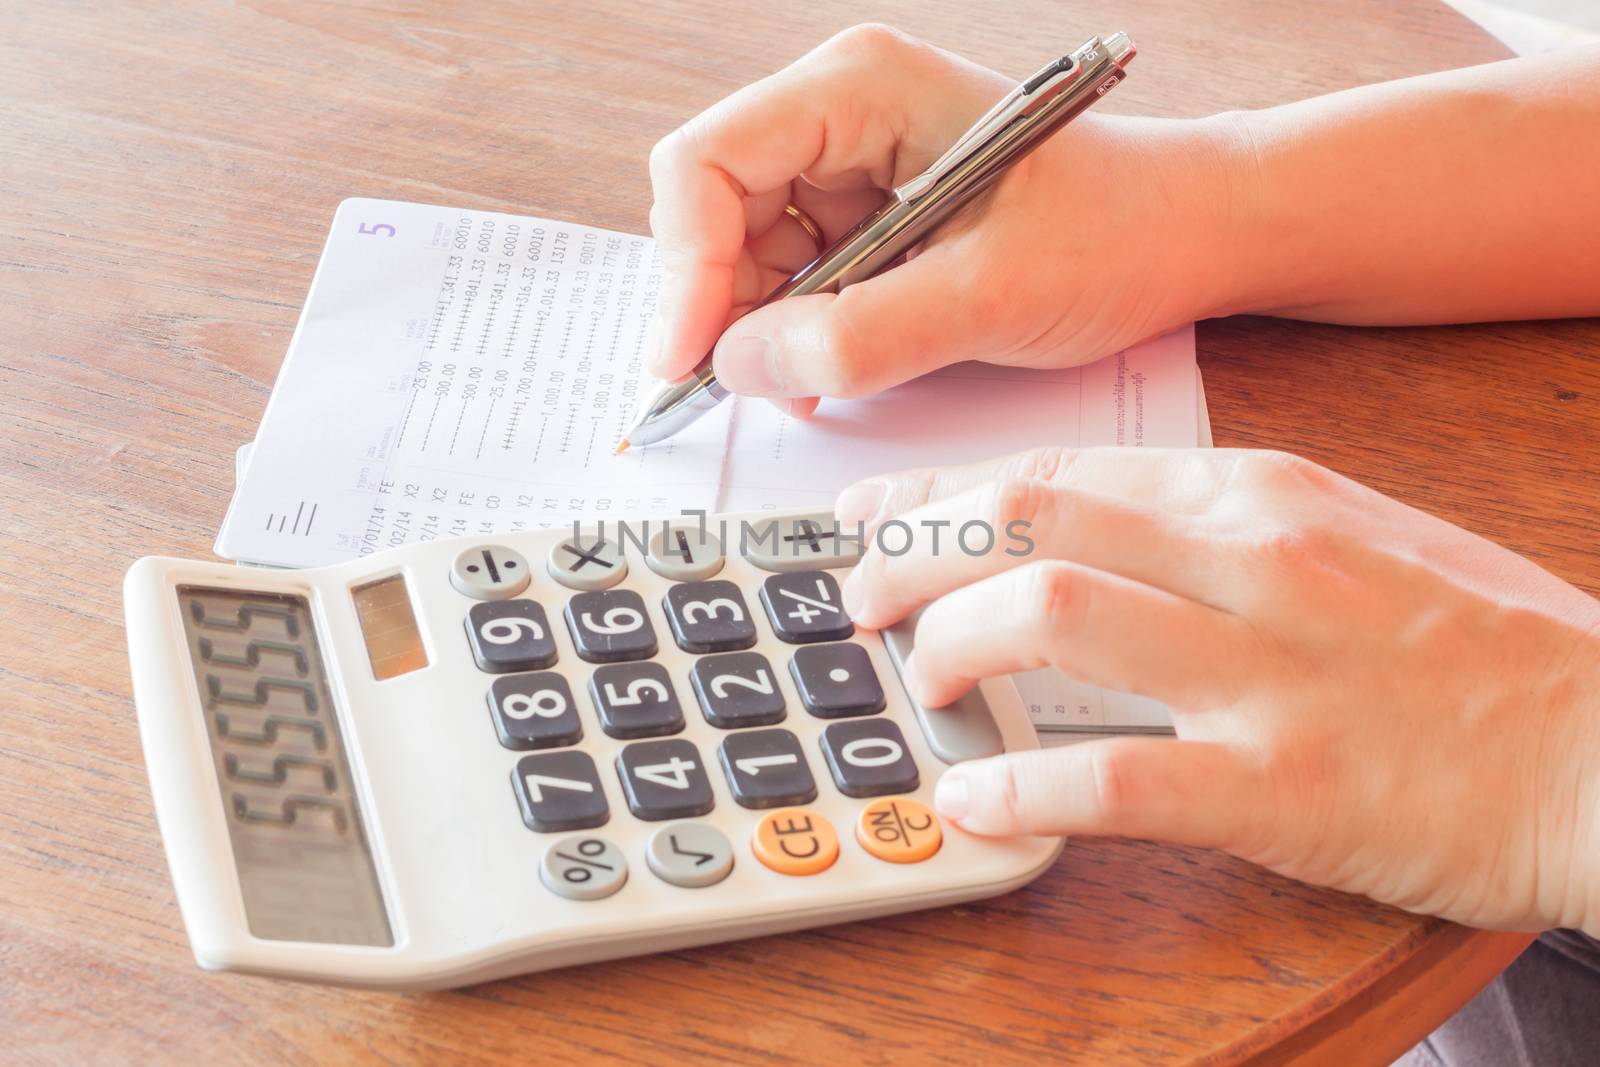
(852, 129)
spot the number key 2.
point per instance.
(510, 635)
(737, 689)
(709, 617)
(610, 626)
(805, 607)
(664, 780)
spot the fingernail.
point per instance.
(853, 594)
(655, 358)
(951, 796)
(908, 677)
(860, 502)
(744, 365)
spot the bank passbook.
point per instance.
(467, 758)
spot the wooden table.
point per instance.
(166, 178)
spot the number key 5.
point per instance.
(636, 700)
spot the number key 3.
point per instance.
(709, 617)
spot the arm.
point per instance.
(1469, 195)
(1464, 195)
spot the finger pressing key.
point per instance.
(1096, 627)
(1008, 524)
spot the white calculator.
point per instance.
(460, 760)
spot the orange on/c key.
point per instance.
(899, 830)
(795, 841)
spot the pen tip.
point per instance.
(622, 446)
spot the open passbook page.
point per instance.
(464, 372)
(460, 372)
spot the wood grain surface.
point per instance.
(167, 173)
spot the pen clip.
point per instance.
(1014, 105)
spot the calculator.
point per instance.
(459, 760)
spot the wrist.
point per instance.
(1243, 276)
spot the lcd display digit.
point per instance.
(299, 842)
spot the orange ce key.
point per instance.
(899, 830)
(796, 841)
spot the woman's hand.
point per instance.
(1365, 697)
(1107, 234)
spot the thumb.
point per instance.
(911, 319)
(1184, 792)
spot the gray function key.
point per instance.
(610, 626)
(490, 572)
(583, 868)
(684, 553)
(559, 791)
(766, 769)
(960, 731)
(836, 681)
(801, 543)
(664, 780)
(591, 559)
(805, 607)
(534, 711)
(868, 758)
(737, 689)
(510, 635)
(709, 617)
(690, 854)
(635, 700)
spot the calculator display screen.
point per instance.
(299, 846)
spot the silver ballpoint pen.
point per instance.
(1012, 128)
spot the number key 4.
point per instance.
(664, 780)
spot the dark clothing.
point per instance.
(1544, 1011)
